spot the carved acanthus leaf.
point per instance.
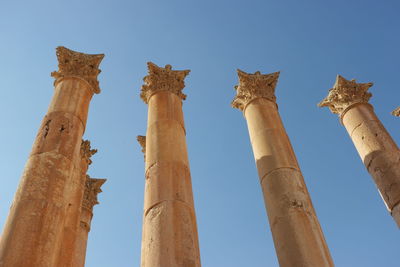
(346, 93)
(163, 79)
(252, 86)
(396, 112)
(142, 141)
(75, 64)
(87, 152)
(92, 188)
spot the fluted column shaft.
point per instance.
(377, 149)
(170, 236)
(33, 232)
(296, 232)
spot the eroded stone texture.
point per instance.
(163, 79)
(252, 86)
(80, 65)
(375, 146)
(92, 189)
(75, 193)
(345, 93)
(170, 236)
(297, 234)
(34, 230)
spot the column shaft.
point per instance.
(33, 232)
(74, 211)
(82, 238)
(169, 228)
(297, 235)
(378, 151)
(92, 188)
(375, 146)
(170, 236)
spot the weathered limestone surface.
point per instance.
(375, 146)
(77, 188)
(297, 235)
(170, 236)
(92, 188)
(34, 230)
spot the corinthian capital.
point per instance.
(142, 141)
(346, 93)
(163, 79)
(252, 86)
(92, 188)
(87, 152)
(396, 112)
(75, 64)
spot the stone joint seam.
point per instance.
(168, 200)
(278, 169)
(180, 124)
(72, 114)
(158, 163)
(341, 115)
(57, 81)
(70, 160)
(247, 104)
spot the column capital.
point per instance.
(252, 86)
(87, 152)
(142, 142)
(163, 79)
(346, 93)
(92, 189)
(75, 64)
(396, 112)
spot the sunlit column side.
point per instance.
(49, 187)
(92, 189)
(296, 232)
(66, 255)
(170, 236)
(377, 149)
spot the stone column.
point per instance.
(77, 188)
(169, 225)
(297, 234)
(92, 188)
(33, 232)
(377, 149)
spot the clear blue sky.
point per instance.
(310, 42)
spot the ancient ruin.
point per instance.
(46, 209)
(51, 215)
(286, 197)
(377, 149)
(169, 236)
